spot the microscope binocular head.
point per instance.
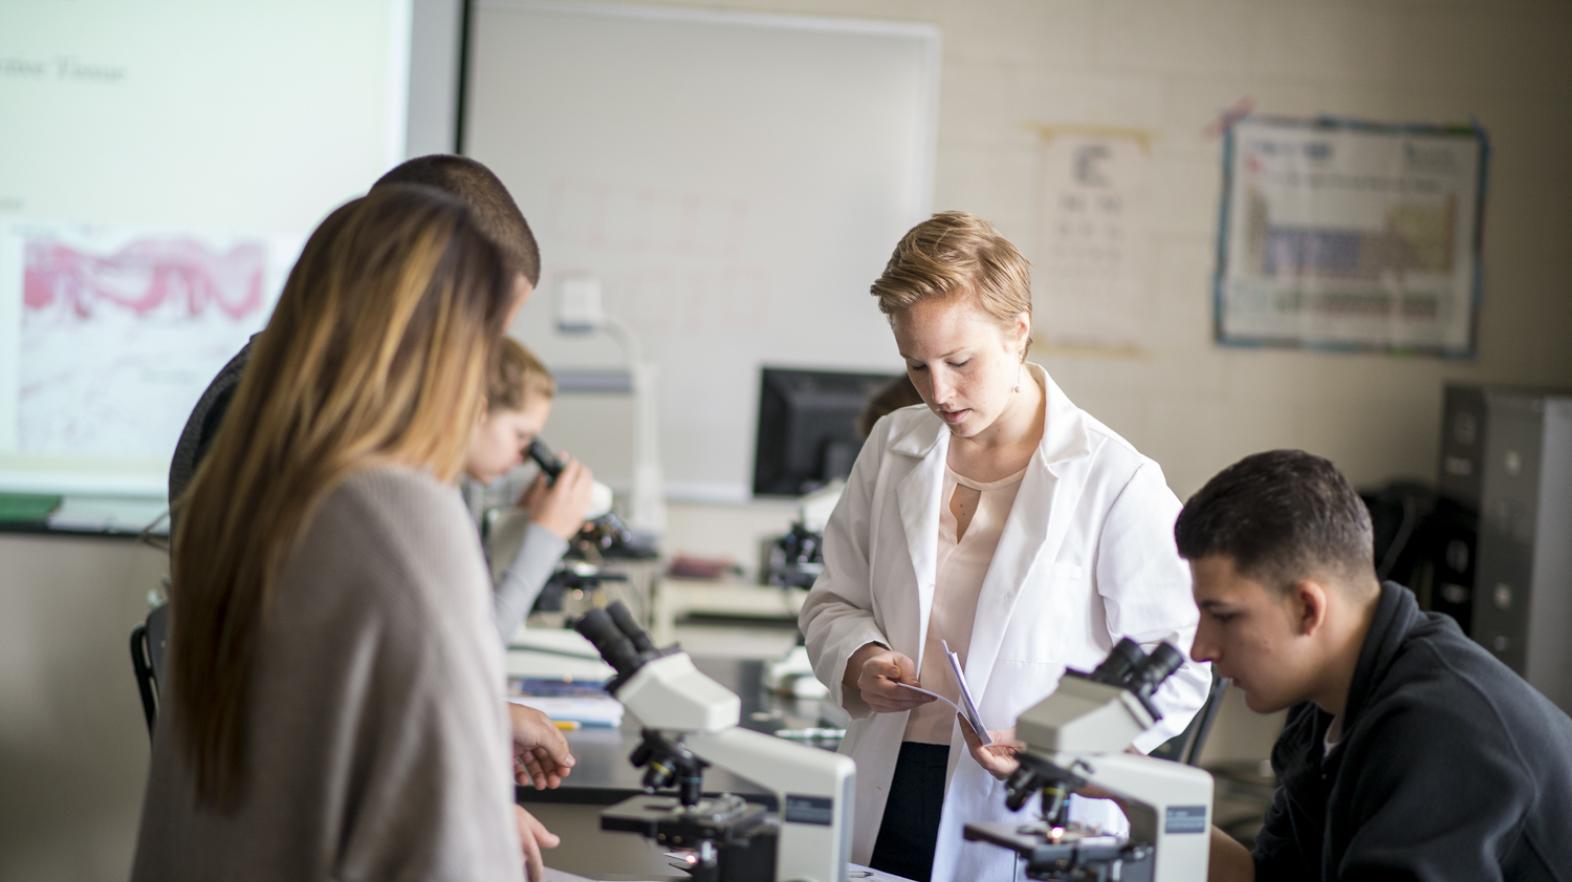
(619, 640)
(1102, 710)
(1130, 667)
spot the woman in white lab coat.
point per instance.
(1000, 519)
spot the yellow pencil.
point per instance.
(566, 725)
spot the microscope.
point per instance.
(1078, 737)
(603, 534)
(691, 722)
(796, 559)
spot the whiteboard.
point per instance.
(735, 181)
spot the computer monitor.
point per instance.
(807, 429)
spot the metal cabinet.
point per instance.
(1506, 462)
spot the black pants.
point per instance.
(911, 814)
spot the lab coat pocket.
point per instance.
(1050, 614)
(1065, 571)
(1028, 683)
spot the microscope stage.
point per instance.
(666, 820)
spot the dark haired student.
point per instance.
(1409, 752)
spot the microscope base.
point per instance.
(731, 840)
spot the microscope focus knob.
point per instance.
(1019, 788)
(658, 775)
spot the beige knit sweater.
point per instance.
(377, 745)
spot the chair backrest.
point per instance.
(1186, 746)
(1202, 724)
(147, 658)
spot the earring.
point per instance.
(1018, 369)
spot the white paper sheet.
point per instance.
(967, 706)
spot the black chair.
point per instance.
(1201, 726)
(147, 657)
(1186, 746)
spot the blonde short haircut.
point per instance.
(955, 253)
(517, 377)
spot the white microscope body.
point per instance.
(683, 711)
(1078, 737)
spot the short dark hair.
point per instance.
(1280, 515)
(494, 210)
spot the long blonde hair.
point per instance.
(377, 351)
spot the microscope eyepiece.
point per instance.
(549, 464)
(1116, 669)
(619, 652)
(636, 635)
(1155, 668)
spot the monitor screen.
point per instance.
(807, 430)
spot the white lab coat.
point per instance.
(1085, 557)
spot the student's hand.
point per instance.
(560, 507)
(874, 670)
(997, 759)
(540, 754)
(533, 836)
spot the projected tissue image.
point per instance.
(121, 331)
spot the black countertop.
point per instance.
(604, 776)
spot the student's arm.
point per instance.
(1229, 861)
(522, 582)
(430, 790)
(541, 757)
(556, 511)
(561, 505)
(435, 788)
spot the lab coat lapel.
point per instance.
(1035, 528)
(917, 499)
(1035, 516)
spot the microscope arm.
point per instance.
(813, 788)
(678, 705)
(1169, 804)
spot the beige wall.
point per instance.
(1169, 67)
(73, 744)
(72, 750)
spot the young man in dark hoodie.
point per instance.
(1410, 753)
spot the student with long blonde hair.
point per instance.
(333, 707)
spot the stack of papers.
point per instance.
(592, 713)
(565, 699)
(546, 652)
(967, 706)
(559, 641)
